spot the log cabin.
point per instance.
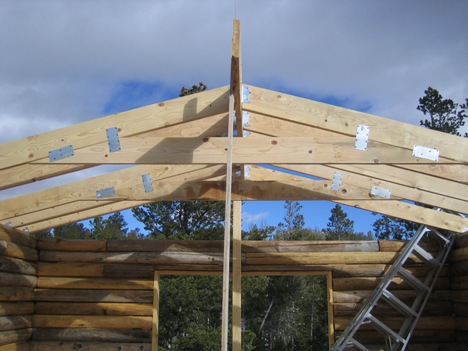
(104, 295)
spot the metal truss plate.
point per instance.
(246, 118)
(147, 183)
(245, 94)
(426, 152)
(337, 180)
(103, 193)
(113, 139)
(246, 171)
(362, 137)
(381, 192)
(61, 153)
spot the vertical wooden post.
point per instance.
(237, 277)
(227, 231)
(155, 330)
(331, 325)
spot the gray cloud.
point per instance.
(61, 62)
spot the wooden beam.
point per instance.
(266, 125)
(155, 327)
(140, 120)
(27, 173)
(236, 75)
(292, 189)
(227, 231)
(85, 190)
(398, 192)
(237, 277)
(345, 121)
(303, 150)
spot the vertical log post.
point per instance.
(155, 330)
(234, 109)
(236, 277)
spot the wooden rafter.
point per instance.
(345, 121)
(164, 115)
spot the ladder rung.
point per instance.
(412, 280)
(438, 235)
(383, 328)
(426, 256)
(355, 343)
(398, 304)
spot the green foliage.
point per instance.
(190, 312)
(293, 221)
(193, 90)
(182, 219)
(339, 226)
(443, 115)
(71, 231)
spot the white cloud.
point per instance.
(257, 218)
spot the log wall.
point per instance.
(18, 268)
(98, 294)
(459, 285)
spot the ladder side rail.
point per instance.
(372, 300)
(431, 287)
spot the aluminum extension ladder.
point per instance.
(398, 340)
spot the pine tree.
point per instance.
(339, 226)
(443, 115)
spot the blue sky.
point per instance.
(63, 63)
(133, 94)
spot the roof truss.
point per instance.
(179, 147)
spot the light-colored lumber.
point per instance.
(206, 127)
(86, 189)
(227, 230)
(292, 150)
(345, 121)
(397, 191)
(144, 119)
(94, 308)
(412, 213)
(16, 346)
(155, 311)
(81, 321)
(400, 174)
(237, 277)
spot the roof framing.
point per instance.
(179, 145)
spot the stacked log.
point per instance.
(18, 257)
(81, 305)
(459, 285)
(100, 292)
